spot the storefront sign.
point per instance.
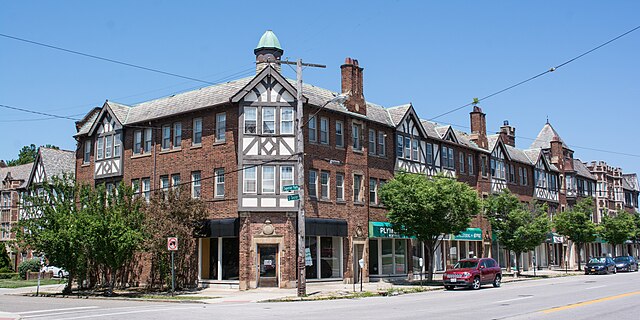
(383, 230)
(471, 234)
(553, 237)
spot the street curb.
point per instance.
(112, 298)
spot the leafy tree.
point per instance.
(576, 224)
(27, 155)
(5, 261)
(174, 214)
(115, 227)
(518, 228)
(618, 229)
(31, 265)
(428, 207)
(53, 225)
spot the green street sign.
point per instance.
(293, 187)
(293, 197)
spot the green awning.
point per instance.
(471, 234)
(383, 230)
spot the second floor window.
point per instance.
(250, 120)
(313, 183)
(429, 153)
(381, 143)
(147, 139)
(221, 127)
(356, 136)
(286, 176)
(414, 150)
(117, 142)
(175, 182)
(324, 185)
(177, 134)
(372, 141)
(195, 185)
(219, 182)
(164, 183)
(312, 129)
(146, 189)
(249, 183)
(357, 188)
(108, 146)
(339, 134)
(324, 130)
(373, 191)
(340, 186)
(447, 158)
(87, 152)
(286, 120)
(197, 131)
(470, 163)
(166, 137)
(399, 146)
(137, 142)
(268, 179)
(100, 148)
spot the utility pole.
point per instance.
(302, 279)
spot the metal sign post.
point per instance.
(39, 272)
(172, 245)
(361, 263)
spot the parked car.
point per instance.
(473, 273)
(602, 265)
(57, 272)
(626, 263)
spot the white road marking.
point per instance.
(130, 312)
(83, 309)
(596, 287)
(514, 299)
(53, 310)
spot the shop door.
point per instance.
(268, 260)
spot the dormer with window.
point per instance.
(545, 180)
(498, 167)
(415, 152)
(106, 135)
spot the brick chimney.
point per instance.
(508, 134)
(479, 127)
(557, 156)
(2, 164)
(352, 85)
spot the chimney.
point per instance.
(2, 164)
(508, 134)
(479, 127)
(557, 157)
(352, 85)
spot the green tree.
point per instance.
(27, 155)
(618, 229)
(576, 224)
(174, 214)
(5, 261)
(518, 227)
(115, 227)
(53, 225)
(428, 207)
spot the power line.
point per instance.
(38, 112)
(105, 59)
(552, 69)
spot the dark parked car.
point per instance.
(473, 273)
(626, 263)
(602, 265)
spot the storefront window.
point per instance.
(373, 257)
(417, 249)
(400, 256)
(326, 259)
(311, 244)
(220, 258)
(387, 256)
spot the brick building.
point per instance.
(13, 182)
(234, 145)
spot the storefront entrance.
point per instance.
(268, 261)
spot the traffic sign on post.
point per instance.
(172, 244)
(293, 197)
(293, 187)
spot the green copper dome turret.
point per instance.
(269, 40)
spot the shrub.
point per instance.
(32, 265)
(8, 275)
(5, 262)
(6, 270)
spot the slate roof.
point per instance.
(397, 113)
(543, 140)
(582, 170)
(219, 94)
(430, 128)
(465, 140)
(56, 162)
(630, 182)
(20, 172)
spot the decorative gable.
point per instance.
(268, 86)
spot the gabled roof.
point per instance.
(55, 163)
(543, 140)
(582, 170)
(447, 131)
(536, 154)
(465, 140)
(517, 154)
(398, 113)
(630, 182)
(268, 71)
(20, 172)
(430, 128)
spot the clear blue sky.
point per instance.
(437, 55)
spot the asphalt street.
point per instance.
(579, 297)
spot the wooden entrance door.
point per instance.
(268, 264)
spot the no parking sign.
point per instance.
(172, 244)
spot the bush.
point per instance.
(32, 265)
(5, 262)
(6, 270)
(9, 275)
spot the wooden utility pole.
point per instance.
(302, 279)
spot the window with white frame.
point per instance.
(268, 179)
(324, 185)
(164, 183)
(219, 182)
(286, 176)
(340, 186)
(399, 146)
(447, 158)
(249, 179)
(312, 129)
(339, 134)
(268, 120)
(147, 139)
(117, 143)
(407, 148)
(357, 188)
(166, 137)
(372, 141)
(429, 153)
(512, 173)
(356, 136)
(414, 150)
(286, 120)
(373, 191)
(108, 146)
(146, 189)
(137, 142)
(221, 127)
(470, 163)
(324, 130)
(87, 152)
(175, 182)
(461, 161)
(498, 169)
(177, 135)
(250, 120)
(196, 185)
(135, 186)
(100, 148)
(313, 183)
(197, 131)
(381, 143)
